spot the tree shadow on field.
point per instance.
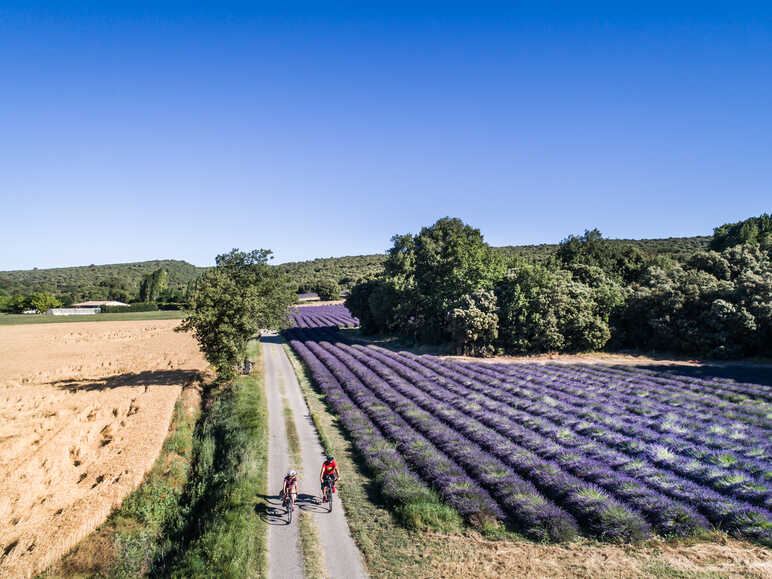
(145, 379)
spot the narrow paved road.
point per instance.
(341, 556)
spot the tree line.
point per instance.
(335, 276)
(328, 277)
(446, 285)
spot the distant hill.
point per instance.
(103, 281)
(96, 281)
(347, 270)
(675, 247)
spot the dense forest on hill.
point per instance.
(120, 281)
(675, 247)
(327, 276)
(305, 276)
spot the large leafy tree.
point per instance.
(621, 260)
(40, 301)
(153, 285)
(717, 304)
(543, 310)
(756, 230)
(426, 278)
(376, 303)
(451, 260)
(43, 301)
(231, 302)
(327, 289)
(474, 324)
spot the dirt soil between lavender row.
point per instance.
(84, 410)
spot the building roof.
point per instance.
(96, 304)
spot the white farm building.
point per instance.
(83, 308)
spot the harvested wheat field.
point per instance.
(84, 410)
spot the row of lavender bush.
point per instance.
(555, 449)
(334, 315)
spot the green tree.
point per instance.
(377, 304)
(153, 285)
(19, 302)
(43, 301)
(425, 277)
(717, 305)
(327, 289)
(755, 230)
(451, 260)
(358, 303)
(6, 303)
(622, 260)
(544, 310)
(474, 324)
(399, 266)
(231, 302)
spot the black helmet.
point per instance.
(330, 458)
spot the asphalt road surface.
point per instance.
(341, 556)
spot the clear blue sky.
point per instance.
(133, 131)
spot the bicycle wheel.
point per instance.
(289, 512)
(329, 498)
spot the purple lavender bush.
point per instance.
(611, 452)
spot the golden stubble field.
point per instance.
(84, 410)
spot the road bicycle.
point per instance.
(327, 491)
(288, 505)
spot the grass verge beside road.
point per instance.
(222, 534)
(18, 319)
(195, 514)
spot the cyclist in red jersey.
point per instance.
(330, 472)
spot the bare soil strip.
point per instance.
(84, 410)
(341, 557)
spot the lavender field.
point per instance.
(335, 315)
(612, 453)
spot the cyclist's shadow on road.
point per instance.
(310, 503)
(270, 509)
